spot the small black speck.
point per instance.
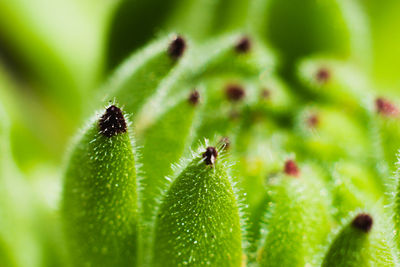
(177, 47)
(243, 45)
(323, 75)
(112, 122)
(291, 168)
(386, 108)
(194, 97)
(210, 155)
(313, 121)
(235, 92)
(363, 221)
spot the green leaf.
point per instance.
(297, 220)
(354, 187)
(237, 55)
(360, 242)
(318, 126)
(198, 222)
(337, 82)
(99, 206)
(274, 96)
(139, 77)
(164, 143)
(223, 104)
(257, 152)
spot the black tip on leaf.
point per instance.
(194, 97)
(291, 168)
(177, 47)
(313, 121)
(243, 45)
(323, 75)
(385, 107)
(210, 155)
(235, 92)
(363, 222)
(112, 122)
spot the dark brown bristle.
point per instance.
(313, 121)
(194, 97)
(243, 45)
(363, 222)
(210, 155)
(235, 92)
(323, 75)
(386, 108)
(291, 168)
(177, 47)
(225, 143)
(112, 122)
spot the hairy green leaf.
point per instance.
(139, 77)
(297, 220)
(164, 143)
(198, 222)
(361, 242)
(99, 207)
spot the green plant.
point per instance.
(253, 138)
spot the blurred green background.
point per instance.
(54, 55)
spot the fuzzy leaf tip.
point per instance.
(194, 97)
(235, 92)
(363, 222)
(291, 168)
(210, 155)
(112, 122)
(313, 120)
(177, 47)
(385, 107)
(243, 45)
(323, 75)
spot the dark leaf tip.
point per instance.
(385, 107)
(194, 97)
(177, 47)
(112, 122)
(243, 45)
(313, 121)
(323, 75)
(235, 92)
(363, 222)
(291, 168)
(210, 155)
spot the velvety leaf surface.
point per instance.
(99, 206)
(198, 222)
